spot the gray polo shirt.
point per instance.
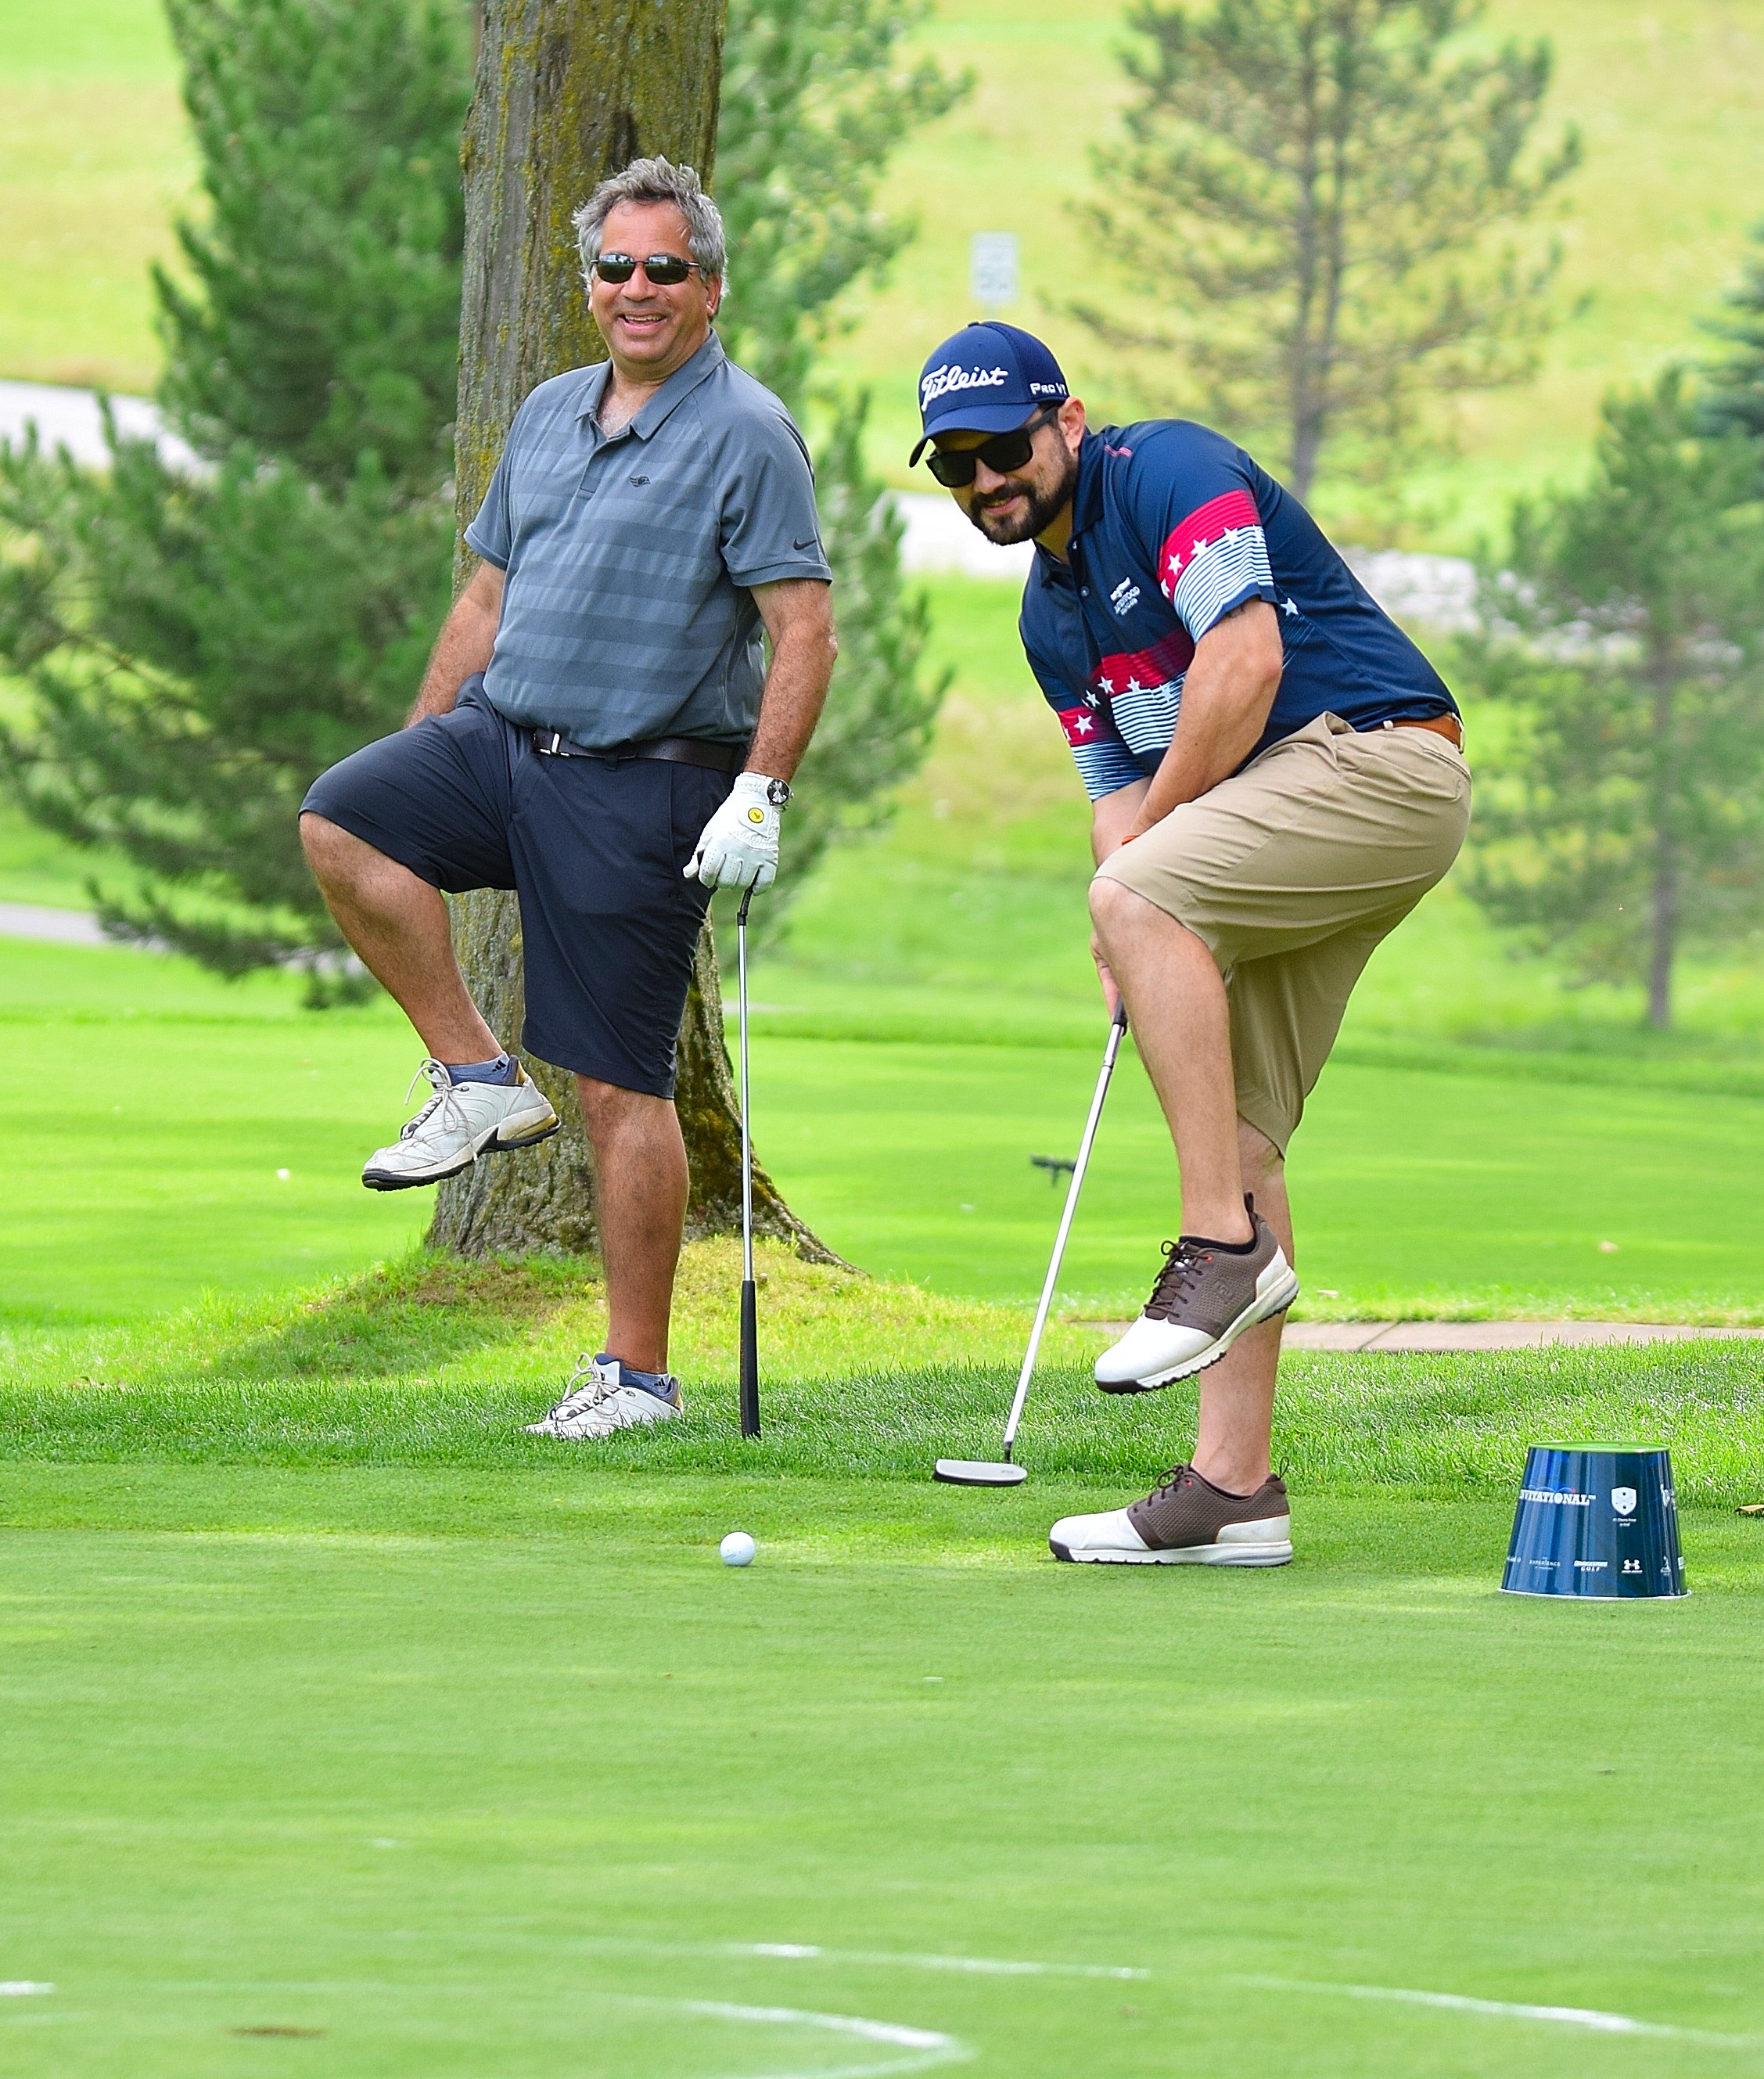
(628, 610)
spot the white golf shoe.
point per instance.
(1206, 1296)
(599, 1400)
(461, 1122)
(1184, 1521)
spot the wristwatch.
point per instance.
(777, 792)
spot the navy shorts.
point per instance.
(596, 848)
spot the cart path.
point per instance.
(64, 927)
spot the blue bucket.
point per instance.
(1598, 1521)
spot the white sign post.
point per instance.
(992, 269)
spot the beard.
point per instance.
(1044, 501)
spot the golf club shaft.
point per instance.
(750, 1308)
(1117, 1027)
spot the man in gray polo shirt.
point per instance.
(598, 731)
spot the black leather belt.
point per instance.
(672, 750)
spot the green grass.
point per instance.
(1455, 1180)
(94, 161)
(283, 1754)
(153, 1110)
(350, 1729)
(431, 1364)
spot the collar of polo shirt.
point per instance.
(681, 383)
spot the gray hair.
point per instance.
(656, 180)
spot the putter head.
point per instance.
(979, 1473)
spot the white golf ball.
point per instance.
(737, 1549)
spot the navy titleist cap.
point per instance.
(986, 380)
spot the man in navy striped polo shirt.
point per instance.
(598, 730)
(1277, 778)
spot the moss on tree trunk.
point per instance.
(568, 91)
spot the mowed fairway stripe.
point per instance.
(1587, 2018)
(989, 1966)
(812, 1952)
(929, 2046)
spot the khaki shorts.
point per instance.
(1290, 873)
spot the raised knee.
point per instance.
(1108, 901)
(319, 838)
(339, 858)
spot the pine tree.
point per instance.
(202, 645)
(1307, 193)
(1621, 816)
(1734, 394)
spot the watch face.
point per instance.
(778, 793)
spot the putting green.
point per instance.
(282, 1764)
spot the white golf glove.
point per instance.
(738, 846)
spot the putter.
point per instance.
(1002, 1473)
(750, 1308)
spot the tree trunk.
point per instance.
(568, 91)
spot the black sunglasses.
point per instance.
(667, 271)
(953, 467)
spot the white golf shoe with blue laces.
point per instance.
(461, 1122)
(601, 1397)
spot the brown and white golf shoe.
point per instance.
(1186, 1521)
(1207, 1294)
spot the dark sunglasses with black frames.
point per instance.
(954, 468)
(667, 271)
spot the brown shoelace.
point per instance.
(1178, 1478)
(1182, 1264)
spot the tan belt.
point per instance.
(1447, 725)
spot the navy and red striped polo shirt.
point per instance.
(1172, 528)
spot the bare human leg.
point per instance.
(1237, 1393)
(1181, 1025)
(398, 925)
(640, 1165)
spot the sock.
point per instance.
(1224, 1248)
(504, 1069)
(651, 1382)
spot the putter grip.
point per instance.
(750, 1360)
